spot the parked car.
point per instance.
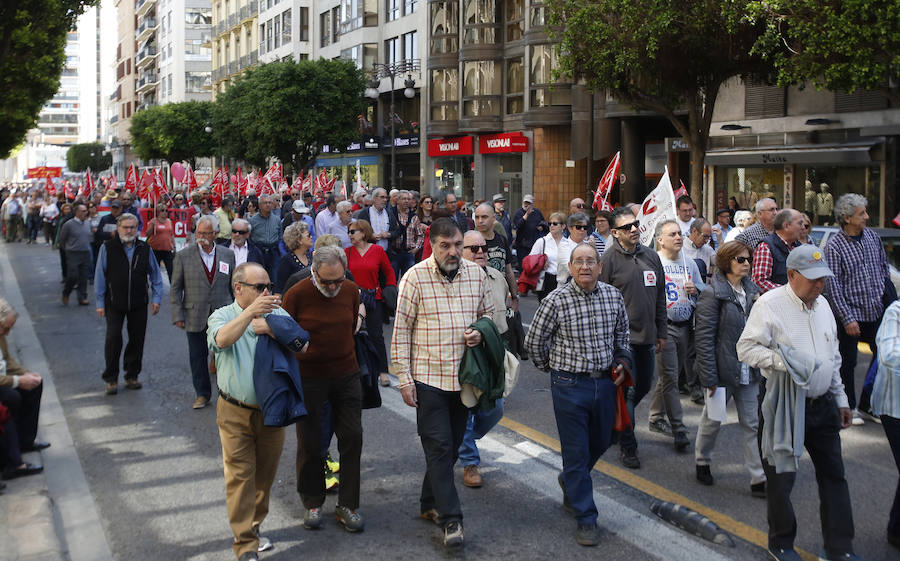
(890, 239)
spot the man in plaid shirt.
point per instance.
(770, 258)
(860, 267)
(580, 334)
(439, 298)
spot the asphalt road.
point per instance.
(154, 467)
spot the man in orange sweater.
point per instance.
(327, 306)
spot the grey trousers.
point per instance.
(665, 397)
(745, 401)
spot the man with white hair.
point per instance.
(861, 273)
(244, 250)
(339, 226)
(384, 223)
(201, 283)
(766, 209)
(266, 233)
(770, 258)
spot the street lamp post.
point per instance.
(381, 70)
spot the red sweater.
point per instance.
(330, 323)
(365, 268)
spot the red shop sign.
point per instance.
(459, 146)
(505, 142)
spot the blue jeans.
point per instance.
(585, 409)
(644, 363)
(198, 356)
(401, 262)
(479, 424)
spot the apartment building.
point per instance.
(234, 40)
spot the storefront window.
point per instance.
(862, 180)
(480, 22)
(444, 94)
(455, 174)
(481, 89)
(444, 27)
(748, 185)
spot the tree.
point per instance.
(666, 56)
(289, 110)
(841, 45)
(173, 132)
(80, 157)
(32, 57)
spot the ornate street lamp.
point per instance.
(381, 70)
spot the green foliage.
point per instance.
(79, 157)
(173, 132)
(289, 110)
(666, 56)
(836, 44)
(32, 56)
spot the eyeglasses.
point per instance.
(476, 248)
(582, 205)
(259, 287)
(741, 259)
(580, 226)
(428, 202)
(242, 232)
(585, 262)
(351, 232)
(629, 226)
(556, 223)
(334, 283)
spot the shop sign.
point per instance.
(677, 145)
(502, 143)
(458, 146)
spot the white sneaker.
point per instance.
(857, 420)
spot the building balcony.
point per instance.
(147, 82)
(114, 119)
(145, 56)
(146, 104)
(254, 8)
(243, 62)
(143, 7)
(244, 13)
(219, 28)
(254, 57)
(232, 67)
(146, 28)
(233, 20)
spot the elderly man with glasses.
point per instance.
(766, 209)
(244, 250)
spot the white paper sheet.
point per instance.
(715, 405)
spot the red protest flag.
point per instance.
(607, 181)
(145, 185)
(190, 180)
(131, 179)
(67, 189)
(681, 191)
(88, 186)
(50, 187)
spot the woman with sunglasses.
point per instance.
(719, 319)
(551, 246)
(161, 238)
(372, 271)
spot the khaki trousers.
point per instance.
(250, 452)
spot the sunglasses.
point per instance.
(581, 206)
(476, 248)
(336, 282)
(233, 231)
(629, 226)
(351, 232)
(741, 259)
(259, 287)
(556, 223)
(580, 226)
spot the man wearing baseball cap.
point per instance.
(791, 336)
(530, 226)
(499, 204)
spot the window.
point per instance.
(325, 29)
(544, 60)
(515, 19)
(411, 45)
(444, 27)
(269, 36)
(364, 55)
(358, 13)
(194, 50)
(195, 16)
(481, 89)
(391, 51)
(304, 24)
(286, 27)
(515, 86)
(538, 14)
(262, 38)
(335, 23)
(392, 9)
(762, 100)
(480, 22)
(444, 94)
(409, 7)
(196, 82)
(277, 32)
(170, 50)
(170, 84)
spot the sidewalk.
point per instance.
(50, 516)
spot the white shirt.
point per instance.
(685, 227)
(566, 246)
(705, 253)
(240, 253)
(323, 219)
(779, 316)
(551, 249)
(209, 259)
(380, 223)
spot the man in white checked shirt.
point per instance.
(791, 334)
(438, 299)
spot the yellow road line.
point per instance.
(727, 523)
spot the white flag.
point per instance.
(659, 205)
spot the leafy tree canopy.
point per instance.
(173, 132)
(32, 56)
(666, 56)
(836, 44)
(289, 110)
(92, 155)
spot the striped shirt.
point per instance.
(432, 314)
(578, 331)
(886, 393)
(753, 235)
(860, 270)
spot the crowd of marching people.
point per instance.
(286, 296)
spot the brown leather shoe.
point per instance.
(133, 384)
(471, 477)
(200, 402)
(65, 299)
(112, 388)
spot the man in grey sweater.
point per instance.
(75, 239)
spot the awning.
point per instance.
(848, 153)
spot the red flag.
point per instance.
(145, 185)
(50, 187)
(190, 180)
(131, 179)
(67, 189)
(681, 191)
(113, 182)
(241, 182)
(298, 181)
(344, 189)
(159, 186)
(220, 183)
(607, 181)
(88, 186)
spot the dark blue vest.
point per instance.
(779, 252)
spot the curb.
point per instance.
(57, 517)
